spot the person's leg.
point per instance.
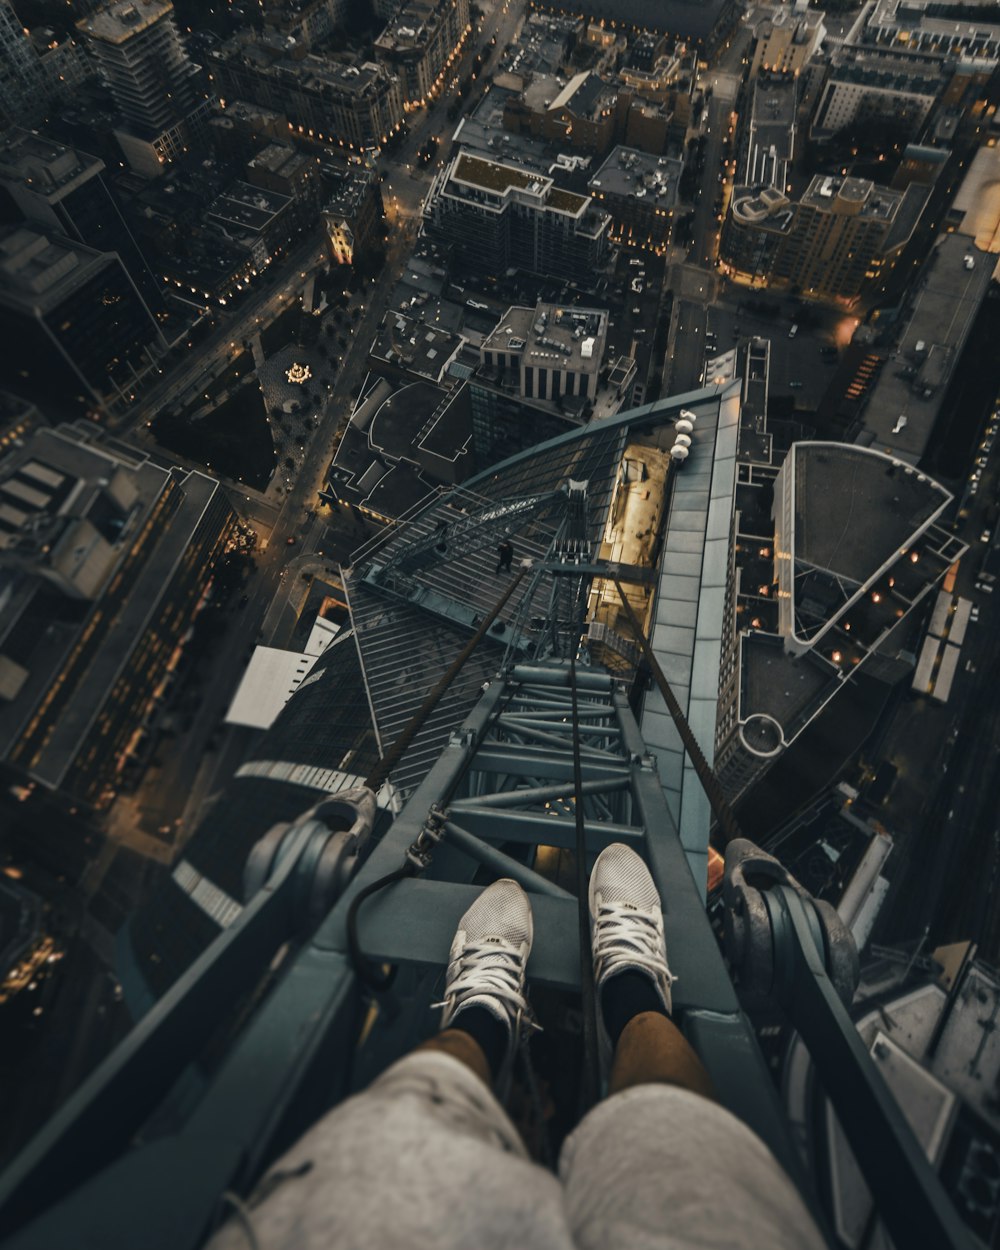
(640, 1170)
(426, 1156)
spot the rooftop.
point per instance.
(881, 503)
(43, 165)
(948, 294)
(247, 207)
(412, 345)
(568, 338)
(629, 172)
(492, 176)
(122, 19)
(38, 272)
(771, 134)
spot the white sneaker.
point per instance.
(626, 926)
(489, 954)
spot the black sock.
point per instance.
(483, 1027)
(626, 995)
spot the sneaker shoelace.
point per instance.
(625, 935)
(493, 968)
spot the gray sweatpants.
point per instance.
(426, 1157)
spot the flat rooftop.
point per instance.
(556, 335)
(771, 134)
(492, 176)
(118, 22)
(37, 272)
(948, 297)
(629, 172)
(43, 165)
(413, 345)
(855, 509)
(781, 686)
(247, 206)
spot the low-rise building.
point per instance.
(105, 558)
(407, 350)
(540, 372)
(243, 128)
(263, 222)
(353, 211)
(325, 101)
(401, 441)
(494, 217)
(420, 43)
(308, 22)
(639, 191)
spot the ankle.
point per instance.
(626, 995)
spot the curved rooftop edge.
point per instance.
(872, 509)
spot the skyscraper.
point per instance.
(63, 191)
(140, 56)
(74, 326)
(22, 83)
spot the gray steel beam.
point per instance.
(498, 757)
(539, 794)
(500, 863)
(505, 825)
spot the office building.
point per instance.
(59, 190)
(24, 88)
(140, 57)
(106, 559)
(787, 40)
(357, 106)
(639, 192)
(75, 328)
(420, 43)
(829, 245)
(862, 88)
(541, 371)
(495, 217)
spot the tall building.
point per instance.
(23, 85)
(105, 558)
(74, 326)
(495, 217)
(828, 245)
(823, 584)
(63, 191)
(140, 57)
(420, 43)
